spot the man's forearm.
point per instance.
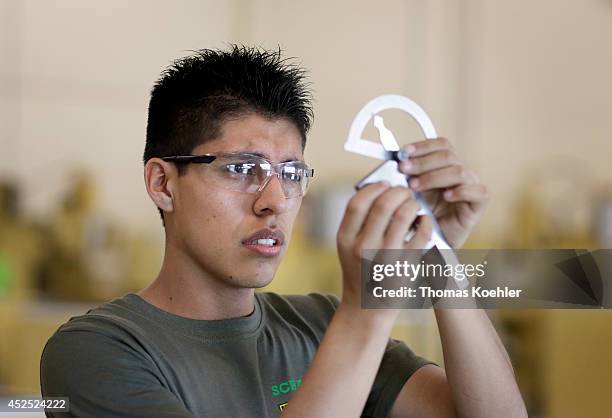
(340, 377)
(477, 366)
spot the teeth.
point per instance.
(269, 241)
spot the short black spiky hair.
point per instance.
(197, 93)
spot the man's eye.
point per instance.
(241, 168)
(292, 174)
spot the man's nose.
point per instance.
(271, 199)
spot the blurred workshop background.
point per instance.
(522, 88)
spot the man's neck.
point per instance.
(184, 289)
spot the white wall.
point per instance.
(542, 96)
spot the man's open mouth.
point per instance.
(267, 242)
(265, 236)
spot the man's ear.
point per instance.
(158, 176)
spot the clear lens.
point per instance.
(248, 173)
(295, 178)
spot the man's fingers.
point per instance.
(437, 159)
(380, 214)
(400, 224)
(475, 194)
(422, 233)
(443, 178)
(427, 146)
(358, 208)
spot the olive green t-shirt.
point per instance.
(127, 358)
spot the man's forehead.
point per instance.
(278, 150)
(274, 139)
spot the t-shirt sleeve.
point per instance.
(104, 377)
(397, 365)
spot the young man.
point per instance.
(224, 165)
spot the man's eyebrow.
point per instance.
(264, 155)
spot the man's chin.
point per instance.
(252, 280)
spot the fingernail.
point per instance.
(414, 183)
(385, 183)
(410, 148)
(448, 194)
